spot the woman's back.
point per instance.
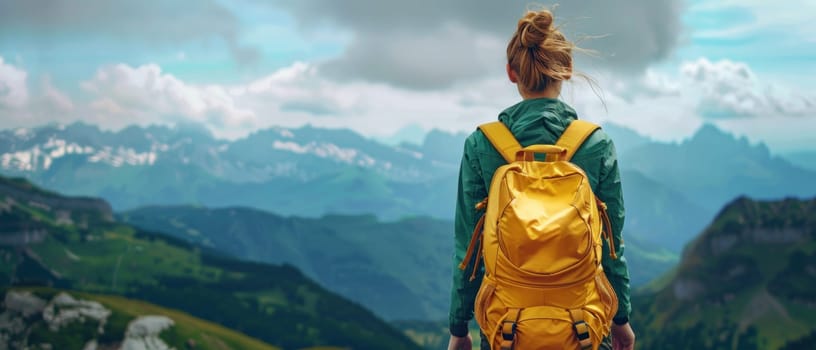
(539, 59)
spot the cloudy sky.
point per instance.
(661, 67)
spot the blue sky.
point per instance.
(665, 67)
(779, 47)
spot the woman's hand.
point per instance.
(623, 337)
(460, 343)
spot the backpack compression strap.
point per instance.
(502, 139)
(575, 135)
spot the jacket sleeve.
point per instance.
(610, 191)
(471, 191)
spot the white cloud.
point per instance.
(126, 95)
(21, 107)
(13, 86)
(652, 105)
(671, 106)
(297, 88)
(54, 99)
(300, 94)
(292, 96)
(729, 89)
(382, 109)
(661, 105)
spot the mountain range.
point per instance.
(76, 244)
(713, 167)
(271, 169)
(672, 190)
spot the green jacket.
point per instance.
(534, 121)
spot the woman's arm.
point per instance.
(610, 192)
(471, 191)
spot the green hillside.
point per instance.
(45, 242)
(747, 282)
(186, 330)
(400, 269)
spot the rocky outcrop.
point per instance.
(684, 289)
(785, 235)
(23, 303)
(143, 333)
(21, 311)
(745, 222)
(65, 309)
(17, 308)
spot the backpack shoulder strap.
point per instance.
(575, 135)
(502, 139)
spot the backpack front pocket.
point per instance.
(544, 328)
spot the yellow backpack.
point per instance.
(540, 241)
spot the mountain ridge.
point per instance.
(745, 282)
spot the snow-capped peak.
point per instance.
(326, 150)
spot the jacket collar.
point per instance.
(533, 111)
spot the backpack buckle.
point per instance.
(511, 333)
(509, 329)
(581, 328)
(582, 333)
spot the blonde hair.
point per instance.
(538, 52)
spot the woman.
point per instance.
(539, 59)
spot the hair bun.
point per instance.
(534, 28)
